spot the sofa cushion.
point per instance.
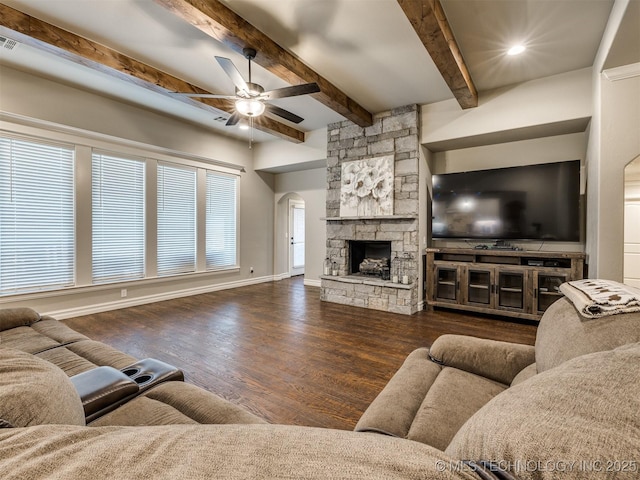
(499, 361)
(393, 410)
(229, 452)
(17, 317)
(200, 405)
(525, 374)
(101, 354)
(584, 411)
(71, 363)
(564, 334)
(454, 396)
(143, 411)
(176, 403)
(26, 339)
(38, 336)
(427, 402)
(34, 392)
(58, 331)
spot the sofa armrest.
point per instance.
(499, 361)
(102, 389)
(17, 317)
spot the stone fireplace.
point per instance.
(394, 133)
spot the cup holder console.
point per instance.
(142, 379)
(150, 372)
(105, 388)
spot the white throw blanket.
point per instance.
(598, 298)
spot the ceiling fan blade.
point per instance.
(281, 112)
(233, 73)
(293, 91)
(233, 119)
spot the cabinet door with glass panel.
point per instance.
(546, 288)
(479, 286)
(447, 282)
(511, 290)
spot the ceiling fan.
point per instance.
(250, 98)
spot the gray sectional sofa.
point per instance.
(152, 394)
(466, 408)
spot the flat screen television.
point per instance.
(533, 202)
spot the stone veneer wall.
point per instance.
(394, 132)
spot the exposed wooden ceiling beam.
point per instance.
(44, 36)
(221, 23)
(430, 23)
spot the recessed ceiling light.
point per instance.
(516, 50)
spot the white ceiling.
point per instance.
(367, 48)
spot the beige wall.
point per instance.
(604, 175)
(560, 98)
(122, 127)
(281, 154)
(310, 186)
(619, 144)
(525, 152)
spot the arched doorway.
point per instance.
(290, 242)
(631, 269)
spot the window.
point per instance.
(48, 244)
(176, 220)
(118, 218)
(221, 220)
(36, 216)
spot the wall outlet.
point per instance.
(123, 293)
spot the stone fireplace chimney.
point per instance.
(394, 135)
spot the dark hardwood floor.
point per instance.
(279, 351)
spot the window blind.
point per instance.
(118, 218)
(221, 220)
(176, 220)
(36, 216)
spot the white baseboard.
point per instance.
(281, 276)
(309, 282)
(132, 302)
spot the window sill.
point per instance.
(79, 289)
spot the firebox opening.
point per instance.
(374, 255)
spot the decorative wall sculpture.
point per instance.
(367, 187)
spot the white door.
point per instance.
(296, 234)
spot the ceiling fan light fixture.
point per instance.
(516, 50)
(249, 107)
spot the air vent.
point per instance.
(8, 44)
(220, 119)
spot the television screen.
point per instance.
(533, 202)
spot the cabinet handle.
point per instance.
(535, 293)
